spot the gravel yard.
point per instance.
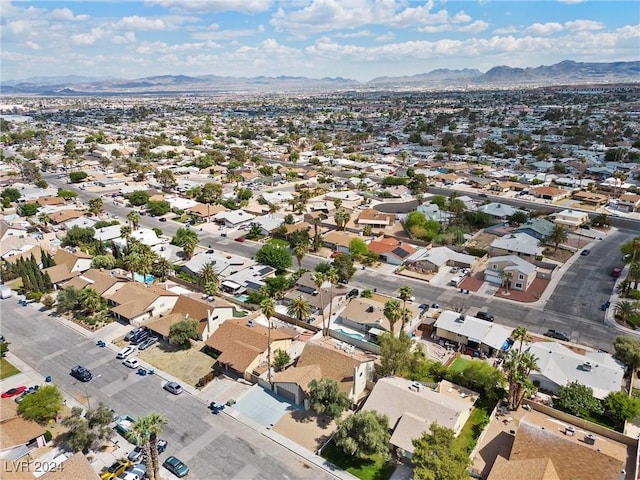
(187, 365)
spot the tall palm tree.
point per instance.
(506, 280)
(405, 294)
(134, 219)
(634, 274)
(299, 309)
(125, 232)
(189, 245)
(332, 277)
(341, 218)
(268, 307)
(162, 268)
(155, 422)
(558, 235)
(393, 311)
(132, 263)
(138, 434)
(207, 274)
(518, 366)
(521, 335)
(300, 251)
(91, 299)
(44, 218)
(318, 279)
(145, 267)
(625, 310)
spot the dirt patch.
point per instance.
(481, 240)
(306, 428)
(559, 255)
(187, 365)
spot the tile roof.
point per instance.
(77, 467)
(531, 469)
(60, 273)
(134, 299)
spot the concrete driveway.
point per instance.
(263, 407)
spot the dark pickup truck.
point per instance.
(81, 373)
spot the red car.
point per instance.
(239, 239)
(12, 392)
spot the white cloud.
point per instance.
(65, 14)
(385, 37)
(243, 6)
(571, 2)
(32, 45)
(358, 34)
(223, 34)
(461, 17)
(141, 23)
(507, 30)
(474, 27)
(88, 38)
(581, 25)
(128, 37)
(543, 28)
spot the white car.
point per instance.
(125, 352)
(131, 362)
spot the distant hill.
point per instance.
(563, 73)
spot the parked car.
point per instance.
(176, 466)
(354, 292)
(132, 333)
(173, 387)
(239, 239)
(585, 252)
(615, 273)
(14, 392)
(125, 352)
(163, 219)
(140, 336)
(147, 343)
(81, 374)
(485, 316)
(136, 455)
(131, 362)
(558, 335)
(115, 469)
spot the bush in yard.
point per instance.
(42, 405)
(363, 434)
(182, 332)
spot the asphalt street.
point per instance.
(573, 307)
(214, 446)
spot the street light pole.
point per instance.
(86, 393)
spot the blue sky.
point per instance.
(359, 39)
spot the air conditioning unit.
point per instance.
(461, 318)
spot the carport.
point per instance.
(264, 407)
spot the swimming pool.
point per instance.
(148, 279)
(357, 336)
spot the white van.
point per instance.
(455, 281)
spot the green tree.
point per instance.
(162, 268)
(299, 309)
(358, 248)
(77, 236)
(318, 280)
(90, 432)
(363, 434)
(392, 311)
(300, 251)
(158, 208)
(91, 300)
(343, 264)
(326, 397)
(395, 354)
(28, 209)
(626, 310)
(95, 205)
(518, 365)
(134, 219)
(42, 405)
(187, 239)
(138, 198)
(483, 377)
(210, 194)
(181, 333)
(621, 407)
(558, 235)
(282, 358)
(78, 176)
(13, 194)
(268, 307)
(68, 299)
(519, 217)
(275, 256)
(576, 397)
(341, 218)
(207, 274)
(628, 351)
(155, 422)
(138, 434)
(436, 456)
(103, 261)
(67, 194)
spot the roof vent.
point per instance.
(250, 323)
(371, 309)
(461, 318)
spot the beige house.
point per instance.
(520, 272)
(570, 219)
(241, 345)
(102, 282)
(629, 202)
(376, 219)
(339, 241)
(413, 407)
(549, 193)
(367, 315)
(136, 302)
(322, 359)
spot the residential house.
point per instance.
(559, 365)
(472, 333)
(629, 202)
(233, 218)
(323, 359)
(498, 211)
(391, 250)
(241, 345)
(106, 234)
(81, 222)
(522, 273)
(570, 219)
(75, 260)
(277, 197)
(19, 436)
(50, 200)
(435, 259)
(376, 219)
(268, 223)
(223, 265)
(545, 449)
(366, 315)
(307, 289)
(105, 283)
(205, 212)
(62, 216)
(479, 182)
(250, 278)
(591, 198)
(412, 407)
(136, 302)
(549, 193)
(539, 228)
(74, 467)
(434, 212)
(339, 241)
(519, 244)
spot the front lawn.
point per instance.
(6, 369)
(372, 468)
(279, 241)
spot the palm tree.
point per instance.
(506, 280)
(189, 245)
(405, 294)
(299, 309)
(268, 307)
(332, 276)
(91, 300)
(341, 218)
(125, 232)
(625, 310)
(132, 263)
(634, 274)
(154, 423)
(207, 274)
(138, 434)
(134, 219)
(521, 335)
(44, 218)
(392, 310)
(162, 268)
(145, 266)
(319, 279)
(558, 235)
(518, 366)
(300, 251)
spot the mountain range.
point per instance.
(564, 73)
